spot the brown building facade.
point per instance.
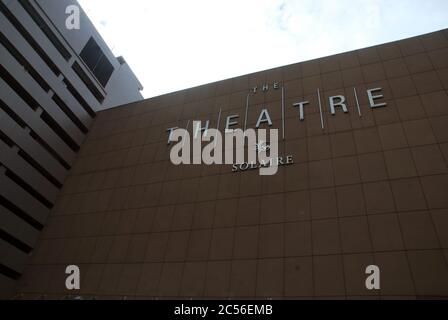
(368, 186)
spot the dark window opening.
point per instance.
(88, 82)
(20, 213)
(59, 131)
(79, 98)
(8, 272)
(17, 87)
(15, 242)
(44, 85)
(27, 188)
(6, 139)
(40, 169)
(69, 113)
(21, 59)
(33, 135)
(97, 62)
(50, 150)
(45, 29)
(13, 20)
(12, 114)
(33, 104)
(25, 156)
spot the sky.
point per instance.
(177, 44)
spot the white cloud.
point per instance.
(172, 45)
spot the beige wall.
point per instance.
(366, 190)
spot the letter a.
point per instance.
(373, 280)
(264, 117)
(72, 21)
(180, 152)
(73, 280)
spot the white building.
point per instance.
(52, 81)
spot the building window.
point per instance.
(45, 28)
(97, 62)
